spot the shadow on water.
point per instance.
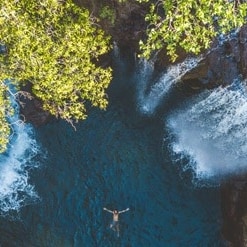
(115, 159)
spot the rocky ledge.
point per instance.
(224, 62)
(234, 211)
(31, 110)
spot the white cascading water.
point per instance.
(149, 99)
(212, 132)
(15, 164)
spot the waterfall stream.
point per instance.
(212, 131)
(149, 98)
(15, 188)
(209, 130)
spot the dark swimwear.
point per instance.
(115, 225)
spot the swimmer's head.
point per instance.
(115, 211)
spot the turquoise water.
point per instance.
(116, 159)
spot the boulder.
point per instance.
(31, 110)
(234, 211)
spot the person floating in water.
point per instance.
(115, 221)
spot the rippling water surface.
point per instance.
(115, 159)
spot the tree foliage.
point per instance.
(5, 111)
(54, 45)
(189, 24)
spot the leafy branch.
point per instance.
(54, 47)
(188, 24)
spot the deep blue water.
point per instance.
(115, 159)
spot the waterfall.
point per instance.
(211, 131)
(148, 99)
(15, 165)
(117, 57)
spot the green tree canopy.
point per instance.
(54, 45)
(5, 110)
(189, 24)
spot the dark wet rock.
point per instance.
(244, 60)
(232, 48)
(234, 211)
(243, 49)
(127, 26)
(32, 112)
(226, 61)
(130, 27)
(31, 109)
(222, 69)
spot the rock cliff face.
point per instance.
(31, 110)
(226, 60)
(234, 211)
(124, 20)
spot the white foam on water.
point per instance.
(149, 98)
(15, 164)
(212, 132)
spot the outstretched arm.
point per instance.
(127, 209)
(108, 210)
